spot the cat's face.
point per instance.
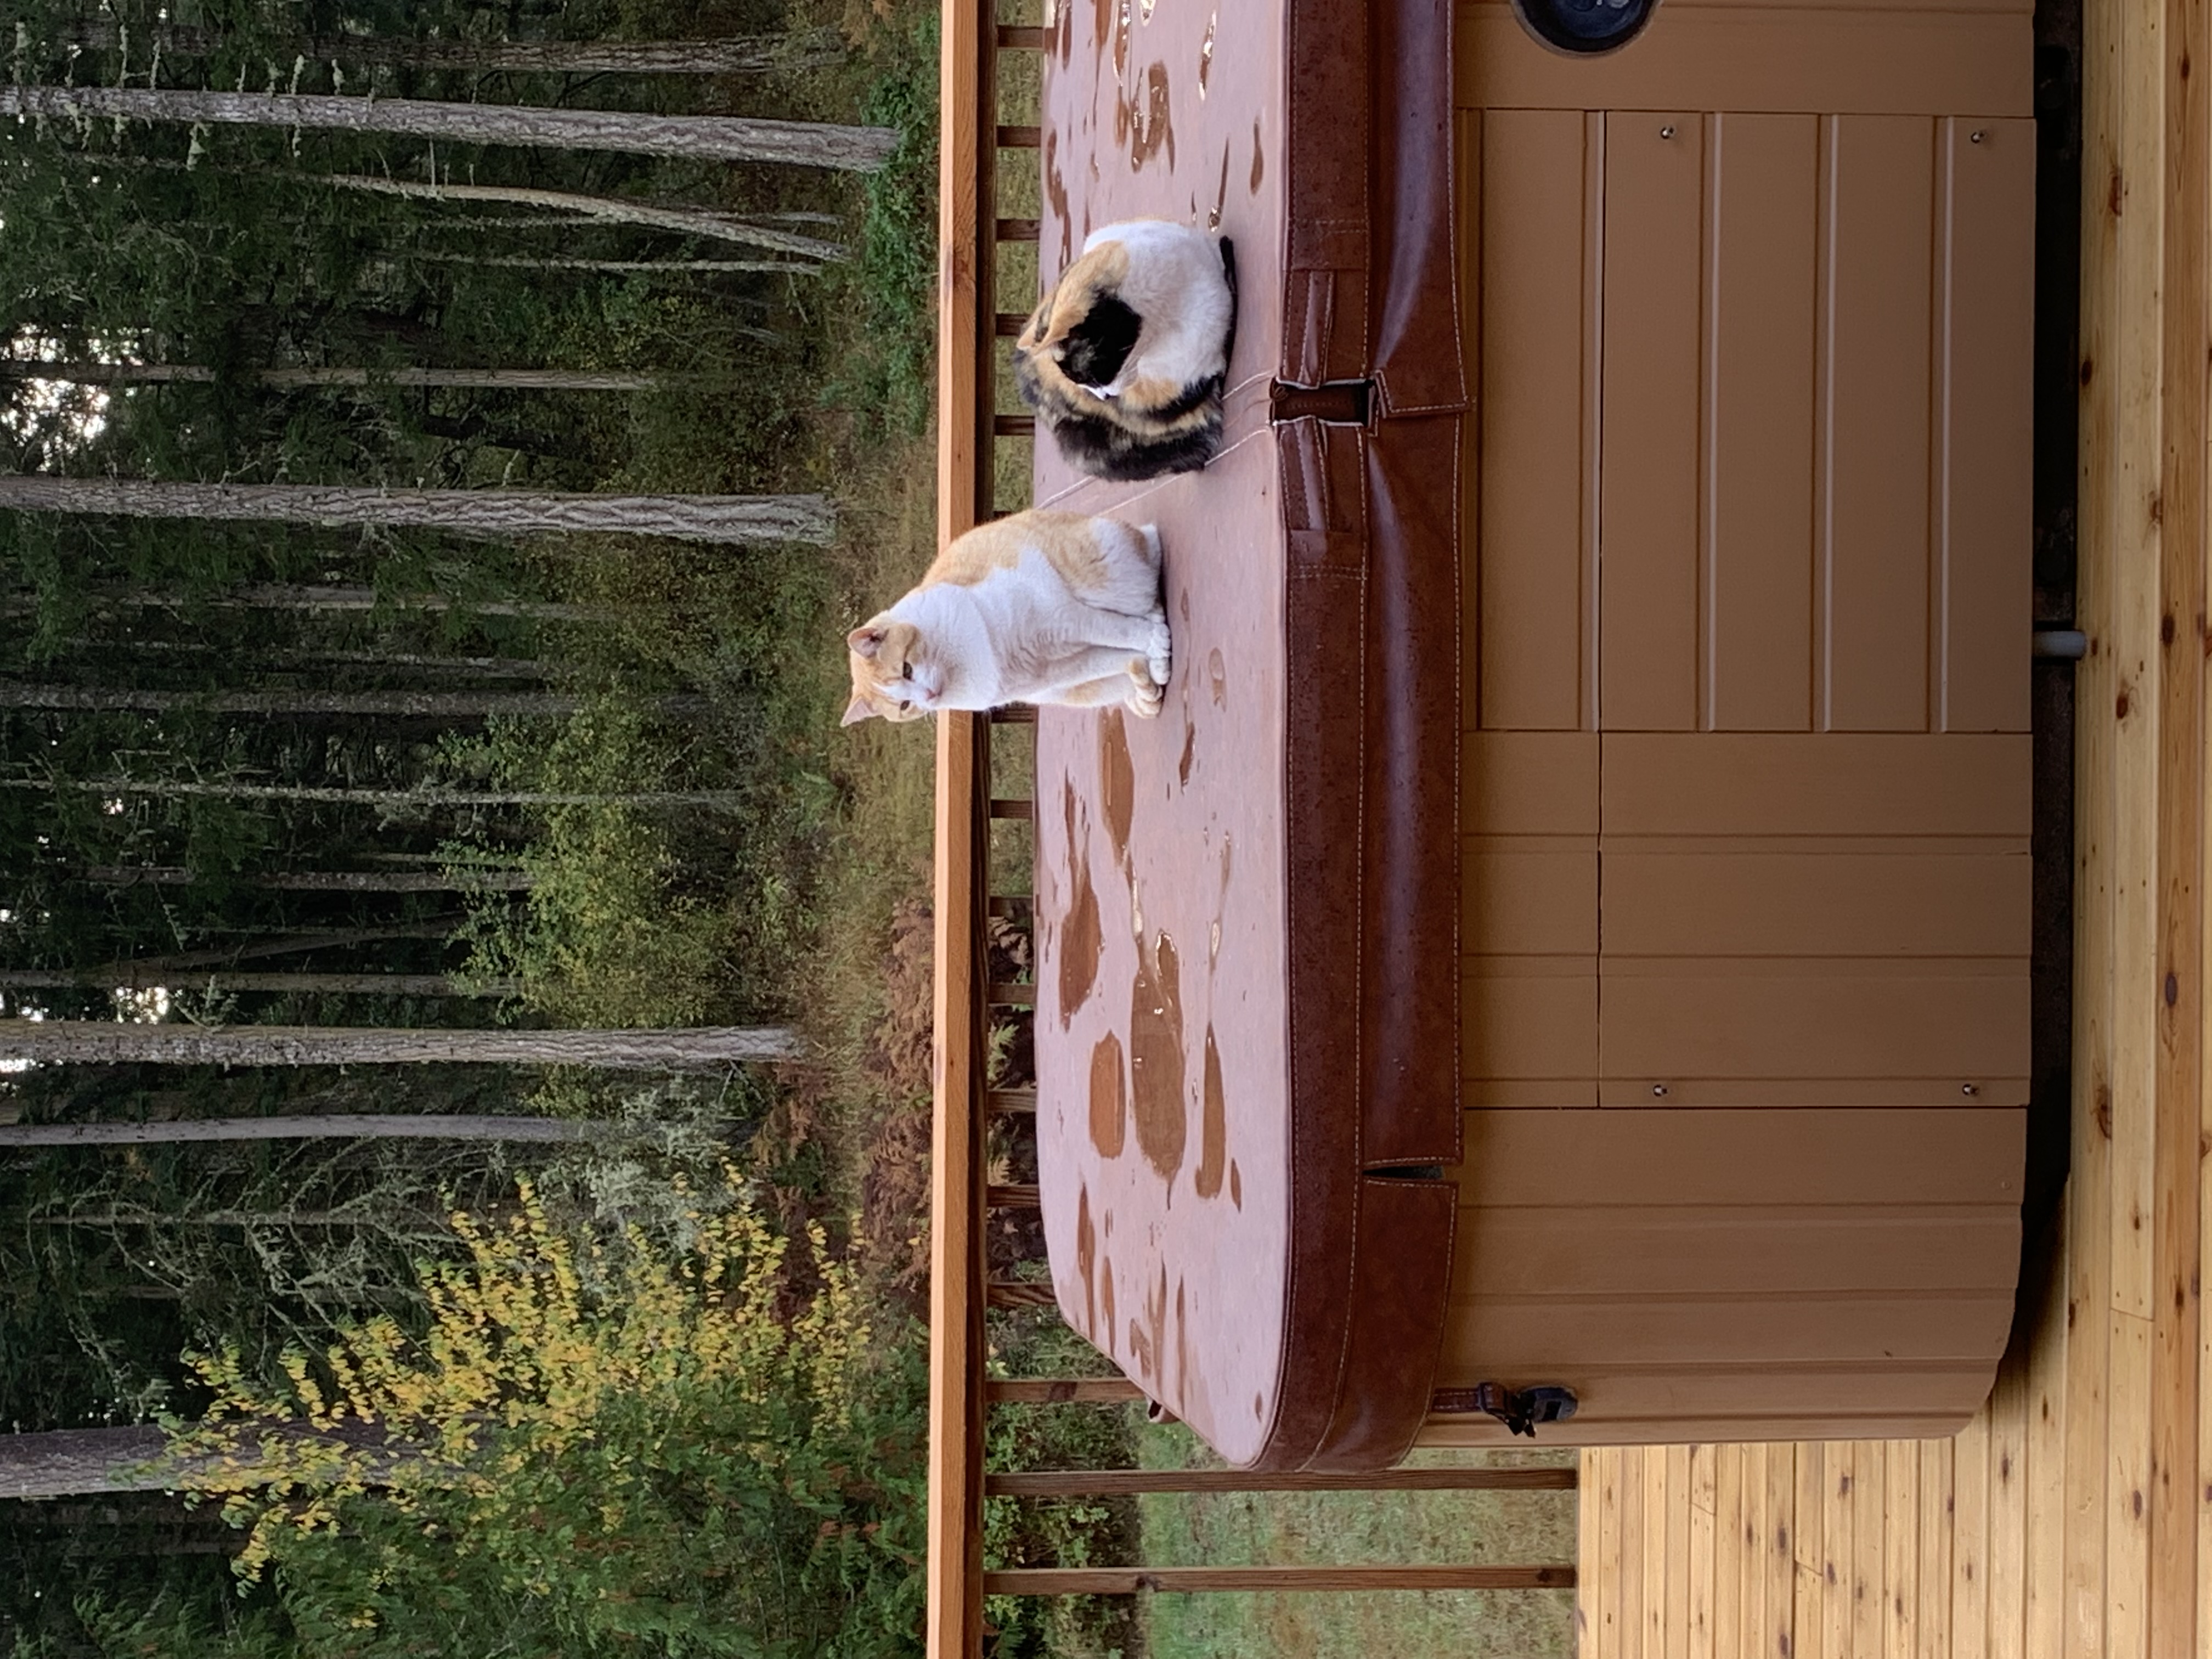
(893, 676)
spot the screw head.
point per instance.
(1668, 131)
(1975, 136)
(1659, 1091)
(1970, 1088)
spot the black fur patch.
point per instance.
(1185, 402)
(1105, 450)
(1096, 347)
(1229, 275)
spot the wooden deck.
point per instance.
(2073, 1517)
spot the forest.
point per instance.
(461, 1020)
(465, 1005)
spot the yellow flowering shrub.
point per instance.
(616, 1442)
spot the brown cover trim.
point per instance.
(1372, 610)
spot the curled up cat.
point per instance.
(1042, 607)
(1126, 359)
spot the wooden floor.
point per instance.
(2073, 1517)
(2035, 1532)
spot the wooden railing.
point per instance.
(971, 331)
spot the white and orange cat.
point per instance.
(1042, 607)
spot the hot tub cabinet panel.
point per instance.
(1744, 820)
(1701, 1273)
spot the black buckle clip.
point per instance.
(1519, 1409)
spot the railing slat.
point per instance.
(1018, 230)
(1021, 1293)
(1011, 1195)
(1021, 37)
(1127, 1581)
(1008, 994)
(1060, 1390)
(1012, 807)
(1132, 1483)
(1017, 137)
(1011, 1100)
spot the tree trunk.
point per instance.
(713, 800)
(280, 596)
(666, 267)
(337, 985)
(700, 137)
(464, 379)
(497, 513)
(75, 1461)
(80, 1462)
(335, 1125)
(613, 210)
(437, 705)
(326, 881)
(324, 938)
(108, 1042)
(742, 55)
(474, 668)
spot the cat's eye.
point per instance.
(906, 670)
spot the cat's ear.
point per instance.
(856, 711)
(865, 641)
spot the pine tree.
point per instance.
(494, 513)
(334, 1126)
(744, 55)
(58, 1042)
(694, 137)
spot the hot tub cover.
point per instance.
(1248, 908)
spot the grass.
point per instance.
(1279, 1529)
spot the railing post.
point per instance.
(957, 1293)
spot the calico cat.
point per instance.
(1041, 607)
(1125, 359)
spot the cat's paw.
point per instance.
(1146, 700)
(1150, 532)
(1158, 652)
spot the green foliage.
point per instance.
(594, 1447)
(888, 380)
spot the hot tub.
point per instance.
(1569, 929)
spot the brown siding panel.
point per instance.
(1761, 210)
(1746, 783)
(1879, 186)
(1988, 304)
(1726, 784)
(1685, 1269)
(1669, 1022)
(1529, 921)
(1759, 58)
(1831, 902)
(1745, 1250)
(1648, 489)
(1531, 599)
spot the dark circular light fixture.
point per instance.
(1584, 27)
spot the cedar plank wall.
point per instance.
(1747, 806)
(2073, 1516)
